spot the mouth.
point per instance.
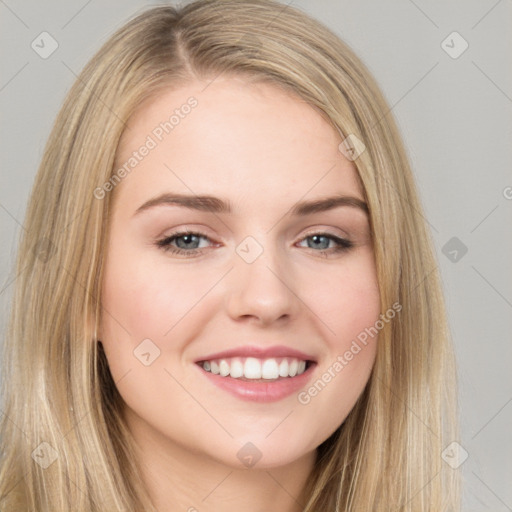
(258, 380)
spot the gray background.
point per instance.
(455, 117)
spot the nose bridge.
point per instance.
(260, 282)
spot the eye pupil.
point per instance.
(188, 239)
(316, 239)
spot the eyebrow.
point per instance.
(216, 205)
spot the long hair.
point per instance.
(64, 445)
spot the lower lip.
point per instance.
(271, 391)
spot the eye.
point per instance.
(188, 240)
(321, 241)
(187, 243)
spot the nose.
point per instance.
(262, 290)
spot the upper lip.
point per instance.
(259, 352)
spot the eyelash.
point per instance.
(165, 244)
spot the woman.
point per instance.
(297, 358)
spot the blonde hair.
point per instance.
(57, 388)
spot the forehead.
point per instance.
(231, 137)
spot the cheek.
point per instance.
(146, 299)
(350, 301)
(349, 307)
(139, 302)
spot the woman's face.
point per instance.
(262, 276)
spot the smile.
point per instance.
(258, 380)
(252, 368)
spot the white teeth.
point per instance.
(224, 368)
(253, 368)
(237, 369)
(214, 368)
(270, 370)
